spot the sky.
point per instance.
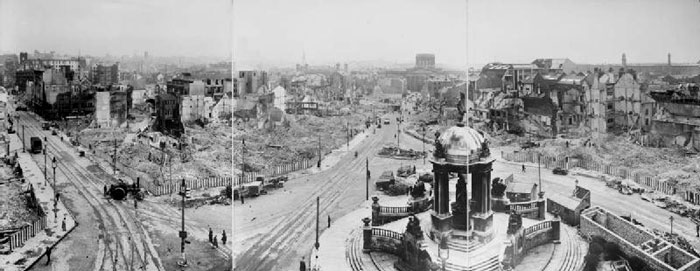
(327, 32)
(117, 27)
(510, 31)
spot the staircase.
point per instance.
(569, 254)
(463, 245)
(489, 264)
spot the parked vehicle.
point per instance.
(252, 189)
(625, 190)
(405, 171)
(661, 203)
(560, 171)
(35, 144)
(45, 125)
(529, 144)
(385, 180)
(648, 196)
(387, 121)
(21, 107)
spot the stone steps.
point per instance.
(464, 245)
(490, 264)
(351, 251)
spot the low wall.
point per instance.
(527, 238)
(385, 214)
(530, 209)
(386, 241)
(599, 222)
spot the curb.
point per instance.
(56, 243)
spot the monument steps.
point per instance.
(464, 245)
(490, 264)
(354, 254)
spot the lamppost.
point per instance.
(539, 176)
(45, 169)
(671, 250)
(443, 251)
(23, 148)
(423, 145)
(55, 200)
(317, 245)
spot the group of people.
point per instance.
(214, 240)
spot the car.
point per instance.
(53, 132)
(648, 197)
(387, 121)
(529, 144)
(560, 171)
(21, 108)
(661, 203)
(625, 190)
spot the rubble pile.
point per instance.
(14, 211)
(295, 139)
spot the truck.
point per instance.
(385, 180)
(35, 144)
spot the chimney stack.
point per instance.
(624, 60)
(669, 59)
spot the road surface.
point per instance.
(274, 231)
(111, 235)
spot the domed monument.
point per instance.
(464, 151)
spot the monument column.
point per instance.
(483, 218)
(441, 217)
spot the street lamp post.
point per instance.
(539, 176)
(23, 147)
(317, 245)
(183, 233)
(671, 250)
(45, 169)
(367, 178)
(423, 145)
(55, 200)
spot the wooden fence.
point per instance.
(563, 161)
(18, 238)
(275, 171)
(193, 184)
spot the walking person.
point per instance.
(216, 242)
(48, 255)
(697, 230)
(523, 167)
(302, 264)
(105, 190)
(223, 238)
(63, 224)
(329, 221)
(241, 196)
(211, 235)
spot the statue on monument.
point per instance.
(515, 221)
(460, 206)
(413, 227)
(439, 149)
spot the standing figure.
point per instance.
(211, 235)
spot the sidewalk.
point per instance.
(332, 251)
(334, 157)
(34, 248)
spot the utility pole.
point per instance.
(242, 165)
(367, 178)
(183, 233)
(319, 151)
(539, 175)
(23, 148)
(45, 170)
(114, 159)
(317, 213)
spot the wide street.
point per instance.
(112, 235)
(274, 231)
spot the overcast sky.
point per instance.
(117, 27)
(516, 31)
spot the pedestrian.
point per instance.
(216, 241)
(302, 264)
(211, 235)
(697, 230)
(523, 167)
(329, 221)
(223, 237)
(135, 204)
(63, 224)
(242, 201)
(105, 190)
(567, 144)
(48, 255)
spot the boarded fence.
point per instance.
(193, 184)
(18, 238)
(275, 171)
(562, 161)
